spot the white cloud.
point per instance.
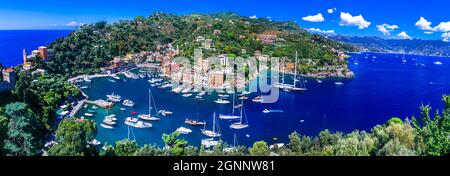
(446, 37)
(253, 17)
(386, 28)
(348, 20)
(74, 24)
(403, 35)
(316, 30)
(314, 18)
(330, 11)
(442, 27)
(423, 24)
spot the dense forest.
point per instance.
(93, 45)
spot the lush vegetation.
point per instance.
(93, 46)
(425, 136)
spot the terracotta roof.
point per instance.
(8, 70)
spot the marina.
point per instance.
(324, 105)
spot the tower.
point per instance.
(24, 57)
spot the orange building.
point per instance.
(43, 52)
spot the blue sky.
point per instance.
(398, 15)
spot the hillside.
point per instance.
(417, 47)
(92, 46)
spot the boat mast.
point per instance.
(149, 102)
(295, 70)
(233, 104)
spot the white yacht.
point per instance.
(114, 98)
(222, 101)
(339, 83)
(128, 103)
(150, 103)
(240, 125)
(437, 63)
(106, 126)
(184, 130)
(139, 124)
(212, 133)
(209, 142)
(231, 116)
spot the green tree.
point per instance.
(126, 147)
(174, 143)
(23, 131)
(73, 135)
(260, 148)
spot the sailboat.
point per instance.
(302, 82)
(149, 115)
(232, 116)
(212, 133)
(239, 125)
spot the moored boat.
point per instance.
(184, 130)
(128, 103)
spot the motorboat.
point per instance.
(184, 130)
(139, 124)
(148, 117)
(243, 98)
(187, 95)
(131, 119)
(165, 112)
(88, 114)
(194, 122)
(222, 101)
(111, 117)
(339, 83)
(114, 98)
(109, 122)
(128, 103)
(94, 142)
(258, 99)
(266, 111)
(186, 90)
(209, 142)
(177, 90)
(115, 77)
(106, 126)
(437, 63)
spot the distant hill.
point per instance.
(91, 46)
(415, 46)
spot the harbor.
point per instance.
(331, 103)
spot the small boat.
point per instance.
(437, 63)
(134, 112)
(194, 122)
(64, 113)
(301, 121)
(266, 111)
(94, 142)
(187, 95)
(139, 124)
(109, 122)
(123, 109)
(223, 95)
(245, 93)
(276, 145)
(177, 90)
(131, 119)
(183, 130)
(318, 81)
(114, 98)
(222, 101)
(258, 99)
(84, 87)
(339, 83)
(106, 126)
(239, 125)
(243, 98)
(209, 142)
(128, 103)
(165, 112)
(88, 114)
(94, 107)
(148, 117)
(86, 79)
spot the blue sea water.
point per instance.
(384, 87)
(12, 42)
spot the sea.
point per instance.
(384, 86)
(12, 43)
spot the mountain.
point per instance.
(415, 46)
